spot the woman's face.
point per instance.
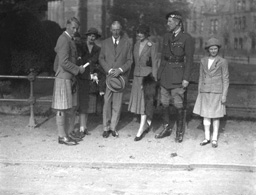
(213, 50)
(141, 37)
(91, 38)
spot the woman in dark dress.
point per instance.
(91, 81)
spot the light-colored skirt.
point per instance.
(62, 95)
(209, 105)
(137, 102)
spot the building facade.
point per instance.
(232, 21)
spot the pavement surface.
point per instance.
(33, 154)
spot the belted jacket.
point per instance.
(176, 59)
(215, 79)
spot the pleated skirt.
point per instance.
(137, 101)
(62, 95)
(209, 105)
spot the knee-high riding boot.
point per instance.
(166, 131)
(60, 121)
(180, 127)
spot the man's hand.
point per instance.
(185, 83)
(116, 72)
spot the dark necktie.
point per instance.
(173, 36)
(115, 44)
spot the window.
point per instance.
(244, 22)
(194, 26)
(235, 43)
(202, 26)
(214, 25)
(235, 23)
(241, 43)
(214, 8)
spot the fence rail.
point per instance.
(32, 100)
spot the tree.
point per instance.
(151, 12)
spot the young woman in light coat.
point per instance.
(212, 91)
(145, 58)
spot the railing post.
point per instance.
(32, 99)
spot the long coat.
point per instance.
(141, 101)
(212, 88)
(176, 60)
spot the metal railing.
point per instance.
(31, 100)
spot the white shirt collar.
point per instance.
(68, 34)
(117, 41)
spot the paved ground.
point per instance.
(32, 158)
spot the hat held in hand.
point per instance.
(115, 84)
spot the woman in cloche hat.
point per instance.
(212, 90)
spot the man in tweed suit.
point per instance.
(174, 72)
(65, 89)
(116, 59)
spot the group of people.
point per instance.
(78, 67)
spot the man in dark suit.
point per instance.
(116, 59)
(65, 89)
(174, 72)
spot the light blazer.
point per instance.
(216, 79)
(141, 68)
(121, 57)
(65, 60)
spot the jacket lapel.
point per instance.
(119, 47)
(144, 50)
(136, 50)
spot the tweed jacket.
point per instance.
(119, 57)
(215, 79)
(92, 57)
(176, 59)
(65, 61)
(148, 53)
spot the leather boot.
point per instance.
(60, 122)
(166, 131)
(180, 127)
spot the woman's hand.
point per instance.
(223, 99)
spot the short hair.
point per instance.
(143, 29)
(73, 19)
(116, 23)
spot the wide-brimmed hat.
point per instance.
(93, 31)
(212, 42)
(115, 84)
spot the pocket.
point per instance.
(177, 74)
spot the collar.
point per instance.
(68, 34)
(177, 31)
(117, 41)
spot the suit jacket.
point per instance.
(215, 79)
(148, 53)
(119, 57)
(92, 57)
(176, 60)
(65, 60)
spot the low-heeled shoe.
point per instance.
(114, 133)
(106, 134)
(204, 142)
(67, 141)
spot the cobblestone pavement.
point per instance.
(32, 162)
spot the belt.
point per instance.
(174, 59)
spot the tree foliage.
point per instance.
(152, 12)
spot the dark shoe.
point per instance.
(179, 138)
(77, 139)
(164, 133)
(204, 142)
(115, 134)
(106, 134)
(67, 141)
(214, 143)
(84, 133)
(138, 138)
(76, 135)
(180, 127)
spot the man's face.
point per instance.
(72, 28)
(172, 24)
(115, 30)
(91, 38)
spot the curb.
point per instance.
(107, 165)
